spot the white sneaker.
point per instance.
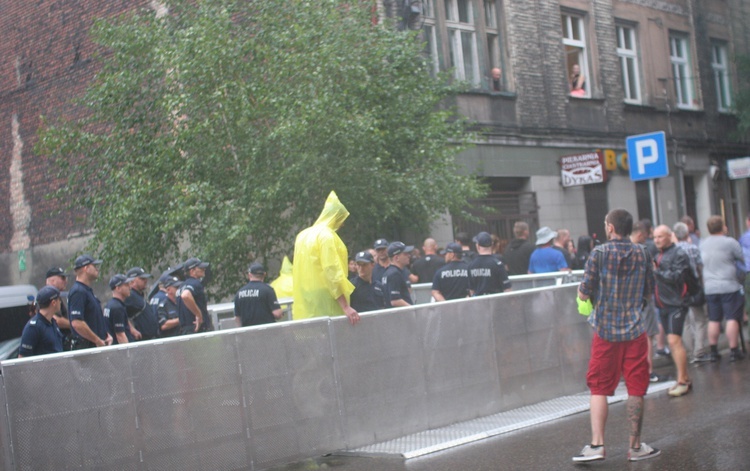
(590, 453)
(643, 453)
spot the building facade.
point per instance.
(643, 66)
(647, 66)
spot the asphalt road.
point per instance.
(707, 429)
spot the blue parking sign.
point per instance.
(647, 156)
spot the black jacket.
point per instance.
(672, 266)
(517, 255)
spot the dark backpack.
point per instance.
(695, 295)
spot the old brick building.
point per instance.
(648, 65)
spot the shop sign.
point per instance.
(582, 169)
(738, 168)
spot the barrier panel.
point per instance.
(5, 453)
(256, 397)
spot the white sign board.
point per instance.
(738, 168)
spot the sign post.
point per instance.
(648, 160)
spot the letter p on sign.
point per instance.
(648, 156)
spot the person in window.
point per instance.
(577, 82)
(497, 79)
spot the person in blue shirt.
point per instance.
(394, 282)
(41, 335)
(192, 305)
(116, 311)
(546, 259)
(141, 313)
(368, 292)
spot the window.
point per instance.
(576, 61)
(679, 55)
(719, 64)
(462, 40)
(493, 43)
(626, 51)
(431, 49)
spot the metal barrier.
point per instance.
(256, 397)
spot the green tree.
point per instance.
(219, 129)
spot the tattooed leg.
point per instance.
(635, 419)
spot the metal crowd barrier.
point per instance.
(252, 398)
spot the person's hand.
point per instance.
(584, 307)
(197, 323)
(136, 333)
(108, 340)
(351, 314)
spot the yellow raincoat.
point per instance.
(283, 284)
(320, 265)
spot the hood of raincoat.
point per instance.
(334, 213)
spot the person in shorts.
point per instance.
(619, 274)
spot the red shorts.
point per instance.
(610, 360)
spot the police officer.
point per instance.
(192, 305)
(141, 313)
(166, 311)
(381, 259)
(57, 278)
(394, 282)
(487, 274)
(256, 302)
(116, 311)
(41, 334)
(160, 294)
(451, 281)
(85, 310)
(368, 293)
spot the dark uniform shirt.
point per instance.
(187, 319)
(487, 275)
(142, 314)
(40, 337)
(426, 267)
(452, 280)
(84, 306)
(367, 296)
(395, 286)
(378, 272)
(167, 310)
(254, 304)
(116, 314)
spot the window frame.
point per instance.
(720, 69)
(682, 71)
(456, 31)
(570, 43)
(430, 35)
(629, 55)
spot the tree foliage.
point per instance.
(219, 129)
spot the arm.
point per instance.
(133, 331)
(238, 321)
(277, 313)
(83, 329)
(121, 337)
(62, 322)
(165, 323)
(673, 272)
(399, 303)
(348, 310)
(437, 295)
(187, 298)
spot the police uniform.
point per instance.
(395, 285)
(452, 280)
(142, 315)
(254, 304)
(187, 318)
(426, 267)
(167, 310)
(117, 316)
(487, 275)
(40, 336)
(58, 271)
(84, 306)
(367, 296)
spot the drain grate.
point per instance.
(430, 441)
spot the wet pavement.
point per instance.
(707, 429)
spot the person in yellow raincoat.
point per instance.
(283, 284)
(320, 283)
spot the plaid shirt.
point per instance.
(619, 274)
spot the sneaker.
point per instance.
(736, 356)
(591, 453)
(702, 358)
(655, 378)
(643, 453)
(679, 389)
(714, 356)
(662, 352)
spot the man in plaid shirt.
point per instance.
(619, 276)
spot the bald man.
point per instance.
(426, 266)
(671, 270)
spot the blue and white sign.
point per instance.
(647, 154)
